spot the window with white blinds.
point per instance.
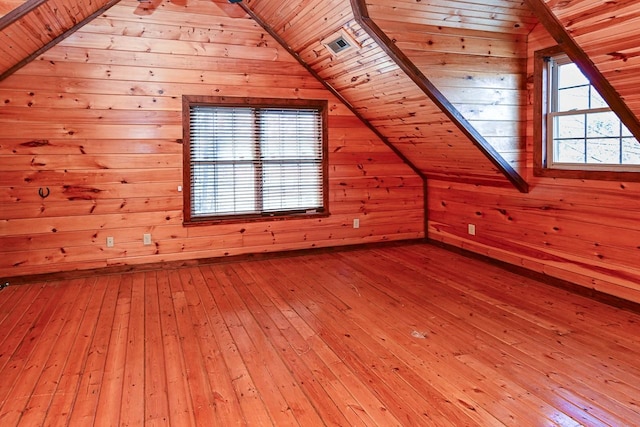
(254, 161)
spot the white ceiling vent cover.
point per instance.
(340, 43)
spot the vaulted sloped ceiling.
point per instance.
(380, 91)
(495, 16)
(7, 6)
(36, 25)
(602, 38)
(475, 54)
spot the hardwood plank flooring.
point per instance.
(400, 335)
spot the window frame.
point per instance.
(189, 101)
(543, 166)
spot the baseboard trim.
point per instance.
(170, 265)
(594, 294)
(566, 285)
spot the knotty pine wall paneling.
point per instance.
(586, 232)
(97, 121)
(482, 73)
(378, 89)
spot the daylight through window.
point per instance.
(254, 161)
(582, 131)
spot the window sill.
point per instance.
(588, 174)
(240, 219)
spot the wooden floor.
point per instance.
(406, 335)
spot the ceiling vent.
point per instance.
(339, 43)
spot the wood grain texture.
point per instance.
(111, 157)
(498, 16)
(386, 96)
(583, 231)
(436, 96)
(97, 121)
(586, 235)
(402, 335)
(561, 31)
(37, 25)
(481, 73)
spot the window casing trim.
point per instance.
(189, 101)
(542, 160)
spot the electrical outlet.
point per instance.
(146, 239)
(110, 242)
(356, 223)
(471, 229)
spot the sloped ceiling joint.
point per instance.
(28, 7)
(337, 94)
(361, 14)
(582, 60)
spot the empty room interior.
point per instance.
(310, 213)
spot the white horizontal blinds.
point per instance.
(223, 157)
(247, 161)
(291, 154)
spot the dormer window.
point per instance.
(580, 132)
(582, 129)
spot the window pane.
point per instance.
(603, 151)
(254, 161)
(575, 98)
(203, 199)
(630, 151)
(596, 100)
(569, 75)
(292, 186)
(223, 189)
(570, 151)
(583, 129)
(222, 133)
(603, 125)
(569, 126)
(290, 134)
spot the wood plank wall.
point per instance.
(482, 73)
(586, 232)
(97, 121)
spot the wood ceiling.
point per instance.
(7, 6)
(390, 80)
(499, 16)
(380, 90)
(36, 25)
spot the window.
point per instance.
(253, 158)
(579, 130)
